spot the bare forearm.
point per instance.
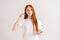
(16, 25)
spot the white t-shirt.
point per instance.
(27, 27)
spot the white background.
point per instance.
(48, 11)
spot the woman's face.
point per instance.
(29, 11)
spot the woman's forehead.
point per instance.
(29, 7)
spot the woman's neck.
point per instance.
(29, 17)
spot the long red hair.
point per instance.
(33, 17)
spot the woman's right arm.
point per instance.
(16, 24)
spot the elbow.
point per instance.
(14, 29)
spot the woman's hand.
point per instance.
(39, 32)
(21, 15)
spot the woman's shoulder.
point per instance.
(39, 22)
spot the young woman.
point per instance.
(29, 24)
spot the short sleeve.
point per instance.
(40, 25)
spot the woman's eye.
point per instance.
(27, 10)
